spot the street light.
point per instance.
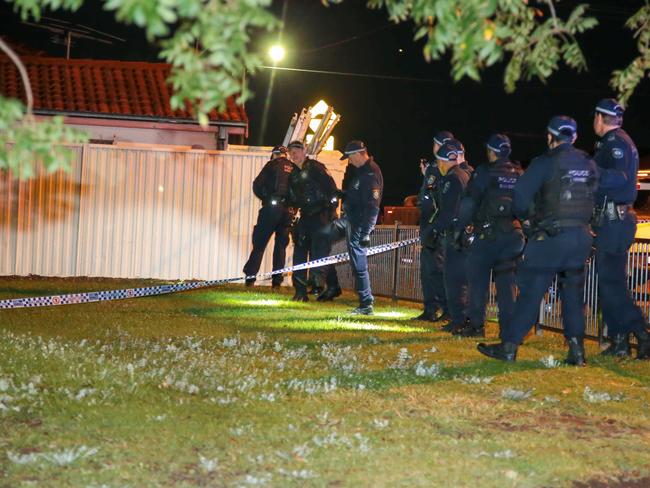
(277, 53)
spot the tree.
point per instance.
(207, 42)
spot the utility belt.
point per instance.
(551, 228)
(611, 212)
(490, 229)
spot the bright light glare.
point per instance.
(263, 303)
(277, 53)
(352, 325)
(391, 314)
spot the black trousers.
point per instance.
(312, 240)
(271, 219)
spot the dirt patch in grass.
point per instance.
(580, 427)
(628, 480)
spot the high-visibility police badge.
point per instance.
(617, 153)
(375, 193)
(445, 188)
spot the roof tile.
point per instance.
(102, 87)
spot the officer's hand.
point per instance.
(527, 228)
(339, 194)
(364, 241)
(458, 239)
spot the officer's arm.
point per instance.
(260, 183)
(450, 196)
(476, 188)
(528, 185)
(371, 188)
(621, 168)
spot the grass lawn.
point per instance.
(233, 387)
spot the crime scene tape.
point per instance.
(107, 296)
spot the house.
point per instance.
(119, 102)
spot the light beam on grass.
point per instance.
(393, 314)
(352, 325)
(265, 302)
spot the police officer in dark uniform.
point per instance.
(431, 254)
(363, 186)
(313, 190)
(272, 187)
(615, 226)
(455, 174)
(561, 184)
(498, 239)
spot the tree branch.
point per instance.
(23, 74)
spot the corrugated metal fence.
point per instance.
(133, 213)
(396, 274)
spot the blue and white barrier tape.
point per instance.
(106, 296)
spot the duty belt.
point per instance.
(615, 211)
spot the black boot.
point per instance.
(504, 351)
(576, 354)
(250, 281)
(643, 345)
(470, 331)
(300, 296)
(426, 316)
(620, 346)
(329, 294)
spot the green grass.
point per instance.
(231, 387)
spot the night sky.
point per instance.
(396, 117)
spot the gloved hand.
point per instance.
(364, 241)
(430, 238)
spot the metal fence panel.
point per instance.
(403, 281)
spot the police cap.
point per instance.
(296, 145)
(609, 106)
(563, 127)
(442, 136)
(279, 150)
(450, 150)
(353, 147)
(500, 144)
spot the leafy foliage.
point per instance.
(481, 33)
(626, 80)
(23, 141)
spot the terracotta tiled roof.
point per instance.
(102, 87)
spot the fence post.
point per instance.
(395, 262)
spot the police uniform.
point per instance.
(561, 184)
(432, 253)
(363, 190)
(271, 186)
(313, 191)
(615, 226)
(449, 192)
(498, 239)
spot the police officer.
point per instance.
(450, 189)
(498, 239)
(313, 191)
(272, 187)
(615, 225)
(431, 254)
(363, 186)
(561, 183)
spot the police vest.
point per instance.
(283, 169)
(496, 207)
(568, 197)
(306, 191)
